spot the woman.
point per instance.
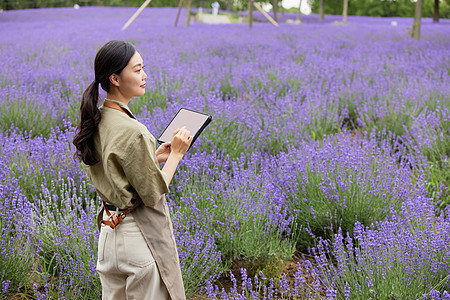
(137, 254)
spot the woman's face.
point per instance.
(132, 78)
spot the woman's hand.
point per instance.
(181, 140)
(163, 152)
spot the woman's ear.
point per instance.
(114, 79)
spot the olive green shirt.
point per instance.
(128, 169)
(127, 166)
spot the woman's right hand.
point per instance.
(179, 145)
(181, 140)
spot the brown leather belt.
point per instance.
(112, 207)
(113, 219)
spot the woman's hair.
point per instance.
(112, 57)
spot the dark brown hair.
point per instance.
(112, 57)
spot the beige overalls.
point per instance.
(139, 258)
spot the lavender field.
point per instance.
(329, 150)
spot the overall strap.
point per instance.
(115, 106)
(113, 219)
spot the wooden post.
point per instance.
(180, 5)
(250, 13)
(344, 13)
(299, 11)
(417, 20)
(275, 10)
(188, 14)
(265, 14)
(436, 12)
(321, 10)
(140, 9)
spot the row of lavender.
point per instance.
(327, 137)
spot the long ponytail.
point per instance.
(112, 58)
(89, 119)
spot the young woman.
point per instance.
(137, 254)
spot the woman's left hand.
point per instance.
(163, 151)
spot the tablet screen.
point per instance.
(194, 121)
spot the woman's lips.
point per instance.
(143, 86)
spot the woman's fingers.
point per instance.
(177, 130)
(181, 140)
(183, 132)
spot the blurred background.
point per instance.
(378, 8)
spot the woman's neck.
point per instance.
(120, 98)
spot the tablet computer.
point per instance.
(194, 121)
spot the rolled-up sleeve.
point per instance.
(143, 172)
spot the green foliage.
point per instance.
(26, 117)
(444, 9)
(16, 246)
(438, 166)
(348, 199)
(237, 140)
(201, 259)
(66, 250)
(16, 258)
(438, 184)
(154, 98)
(321, 126)
(251, 237)
(271, 266)
(383, 272)
(395, 119)
(376, 8)
(232, 138)
(23, 168)
(238, 233)
(350, 118)
(400, 8)
(73, 113)
(23, 4)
